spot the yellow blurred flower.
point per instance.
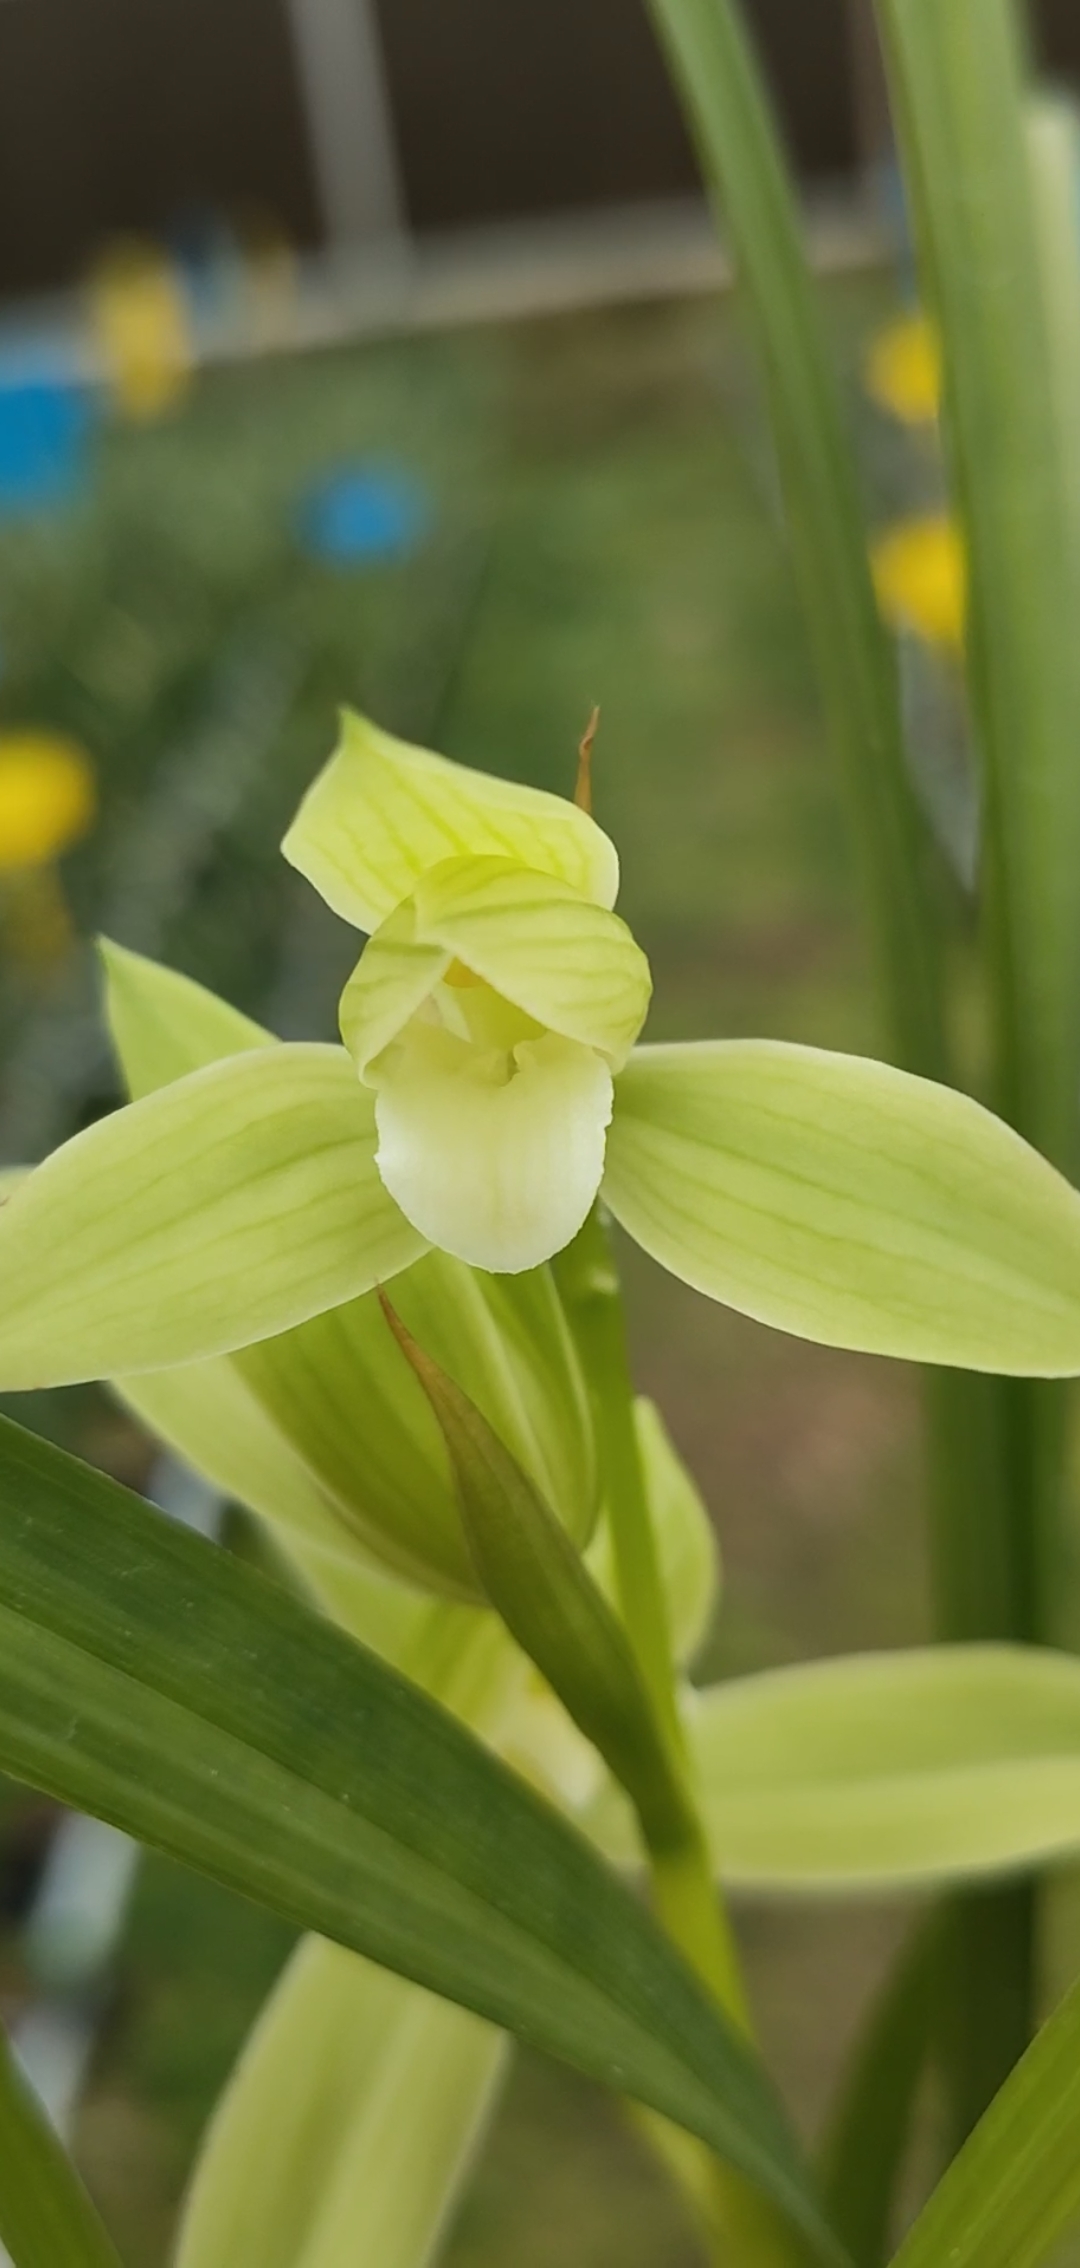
(140, 319)
(920, 576)
(903, 369)
(47, 798)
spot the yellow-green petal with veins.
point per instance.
(347, 2129)
(495, 1161)
(382, 811)
(239, 1201)
(915, 1768)
(322, 1430)
(167, 1026)
(395, 974)
(848, 1202)
(572, 966)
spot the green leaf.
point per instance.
(540, 1586)
(874, 1769)
(363, 2162)
(46, 2217)
(959, 84)
(728, 112)
(148, 1678)
(1053, 141)
(1014, 2189)
(241, 1200)
(870, 2128)
(849, 1203)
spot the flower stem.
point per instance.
(740, 2225)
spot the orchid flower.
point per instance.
(491, 1088)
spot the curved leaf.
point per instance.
(46, 2218)
(1014, 2188)
(147, 1677)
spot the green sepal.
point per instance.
(848, 1202)
(216, 1211)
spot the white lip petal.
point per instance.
(498, 1169)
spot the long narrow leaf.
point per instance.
(148, 1678)
(959, 88)
(46, 2218)
(1015, 2187)
(870, 2129)
(741, 155)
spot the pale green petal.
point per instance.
(848, 1202)
(499, 1171)
(348, 2128)
(230, 1205)
(382, 811)
(572, 966)
(686, 1543)
(392, 979)
(881, 1771)
(163, 1025)
(907, 1768)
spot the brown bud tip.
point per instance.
(583, 785)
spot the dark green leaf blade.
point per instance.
(148, 1678)
(46, 2217)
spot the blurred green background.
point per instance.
(603, 527)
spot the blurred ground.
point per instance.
(602, 528)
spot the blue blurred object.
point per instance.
(358, 514)
(45, 419)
